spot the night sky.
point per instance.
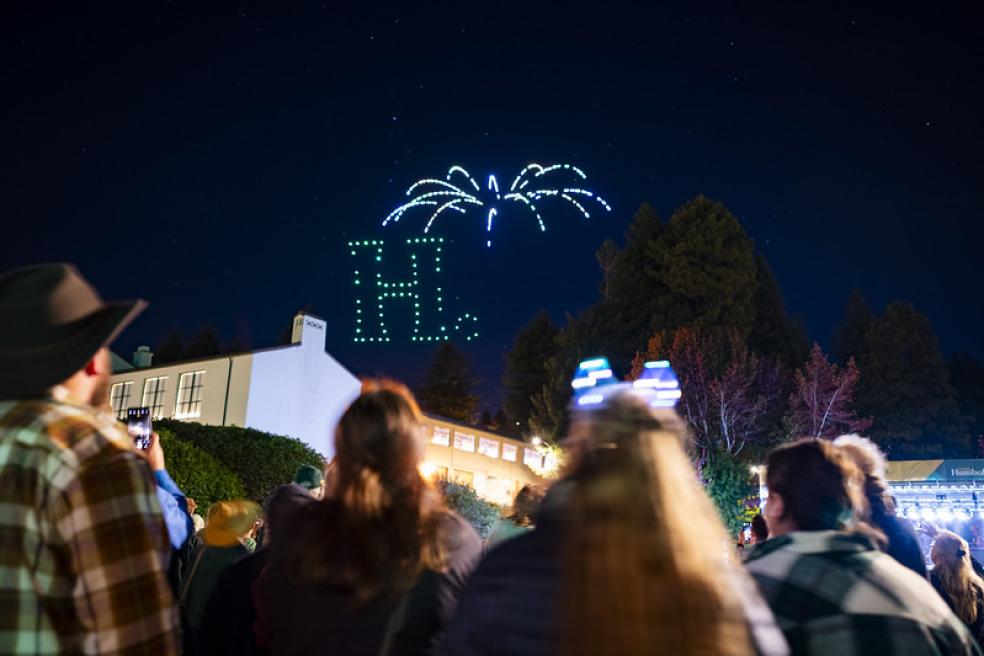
(215, 160)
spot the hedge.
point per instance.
(474, 509)
(262, 461)
(199, 475)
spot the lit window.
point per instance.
(442, 436)
(463, 477)
(189, 404)
(153, 396)
(509, 452)
(464, 441)
(488, 447)
(531, 458)
(119, 398)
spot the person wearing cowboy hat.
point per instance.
(83, 545)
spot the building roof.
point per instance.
(118, 364)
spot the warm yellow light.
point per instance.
(427, 469)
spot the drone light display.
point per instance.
(422, 294)
(534, 182)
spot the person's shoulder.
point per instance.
(453, 529)
(72, 435)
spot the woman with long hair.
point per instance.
(628, 557)
(954, 578)
(376, 566)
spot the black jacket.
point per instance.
(297, 620)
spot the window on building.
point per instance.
(189, 404)
(119, 398)
(441, 436)
(532, 458)
(463, 477)
(488, 447)
(464, 441)
(441, 473)
(153, 396)
(509, 452)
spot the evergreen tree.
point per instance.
(501, 422)
(707, 264)
(448, 385)
(525, 372)
(850, 336)
(822, 402)
(171, 347)
(774, 332)
(967, 378)
(485, 421)
(607, 257)
(205, 343)
(905, 388)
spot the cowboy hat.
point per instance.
(51, 324)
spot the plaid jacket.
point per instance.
(834, 593)
(83, 547)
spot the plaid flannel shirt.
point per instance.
(834, 593)
(83, 547)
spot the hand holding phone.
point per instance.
(138, 425)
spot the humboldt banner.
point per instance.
(936, 470)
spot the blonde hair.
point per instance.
(951, 559)
(645, 563)
(865, 454)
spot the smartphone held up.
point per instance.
(138, 425)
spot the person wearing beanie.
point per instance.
(312, 479)
(230, 613)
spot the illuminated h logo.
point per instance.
(422, 293)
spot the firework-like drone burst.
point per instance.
(528, 188)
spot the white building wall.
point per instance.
(300, 391)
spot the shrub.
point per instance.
(726, 481)
(474, 509)
(200, 475)
(262, 461)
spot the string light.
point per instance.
(445, 195)
(410, 292)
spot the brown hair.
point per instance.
(819, 485)
(645, 563)
(379, 530)
(525, 505)
(951, 559)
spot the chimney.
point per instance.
(309, 330)
(142, 357)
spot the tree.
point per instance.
(726, 481)
(850, 336)
(905, 388)
(485, 421)
(607, 257)
(525, 371)
(501, 422)
(728, 392)
(707, 264)
(204, 344)
(448, 385)
(967, 378)
(171, 347)
(774, 332)
(822, 402)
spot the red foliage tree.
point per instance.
(822, 401)
(728, 391)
